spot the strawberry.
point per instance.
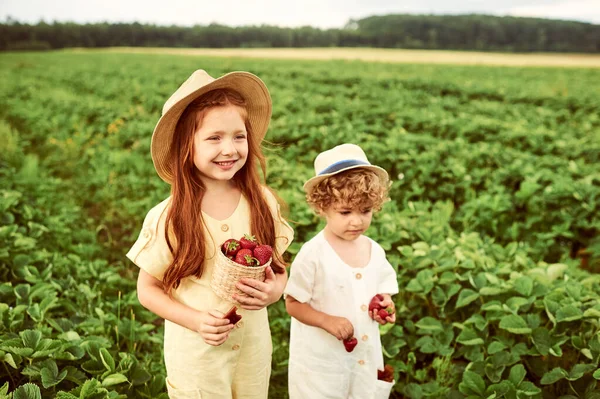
(232, 316)
(387, 374)
(248, 242)
(376, 302)
(262, 253)
(244, 257)
(383, 313)
(350, 343)
(230, 247)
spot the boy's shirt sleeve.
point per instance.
(388, 281)
(151, 252)
(302, 277)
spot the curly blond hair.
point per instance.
(356, 188)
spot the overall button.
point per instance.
(224, 227)
(147, 233)
(361, 362)
(235, 347)
(364, 308)
(365, 337)
(240, 324)
(358, 276)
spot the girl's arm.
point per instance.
(339, 327)
(210, 325)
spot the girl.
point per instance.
(332, 281)
(206, 145)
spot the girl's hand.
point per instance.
(386, 303)
(261, 293)
(339, 327)
(213, 328)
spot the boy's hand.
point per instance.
(339, 327)
(385, 304)
(213, 328)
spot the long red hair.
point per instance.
(184, 227)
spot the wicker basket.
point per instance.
(226, 274)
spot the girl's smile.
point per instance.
(226, 165)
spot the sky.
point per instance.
(317, 13)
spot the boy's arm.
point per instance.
(339, 327)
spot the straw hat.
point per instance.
(339, 159)
(254, 91)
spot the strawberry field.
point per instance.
(493, 224)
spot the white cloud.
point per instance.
(587, 10)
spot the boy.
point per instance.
(333, 279)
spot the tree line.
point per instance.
(448, 32)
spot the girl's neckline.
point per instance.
(237, 207)
(322, 233)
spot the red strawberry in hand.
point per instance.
(248, 242)
(230, 247)
(350, 343)
(383, 313)
(263, 253)
(232, 316)
(375, 303)
(244, 257)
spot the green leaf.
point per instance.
(429, 324)
(556, 374)
(528, 389)
(494, 373)
(515, 324)
(139, 375)
(496, 347)
(8, 358)
(500, 389)
(568, 313)
(490, 291)
(597, 374)
(517, 374)
(541, 340)
(50, 374)
(27, 391)
(107, 359)
(426, 344)
(31, 338)
(579, 370)
(524, 285)
(413, 391)
(469, 337)
(492, 306)
(465, 297)
(114, 379)
(472, 383)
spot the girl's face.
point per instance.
(221, 143)
(347, 223)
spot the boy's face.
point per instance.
(347, 223)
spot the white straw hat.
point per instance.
(249, 86)
(339, 159)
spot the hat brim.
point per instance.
(249, 86)
(314, 181)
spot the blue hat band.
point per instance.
(347, 163)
